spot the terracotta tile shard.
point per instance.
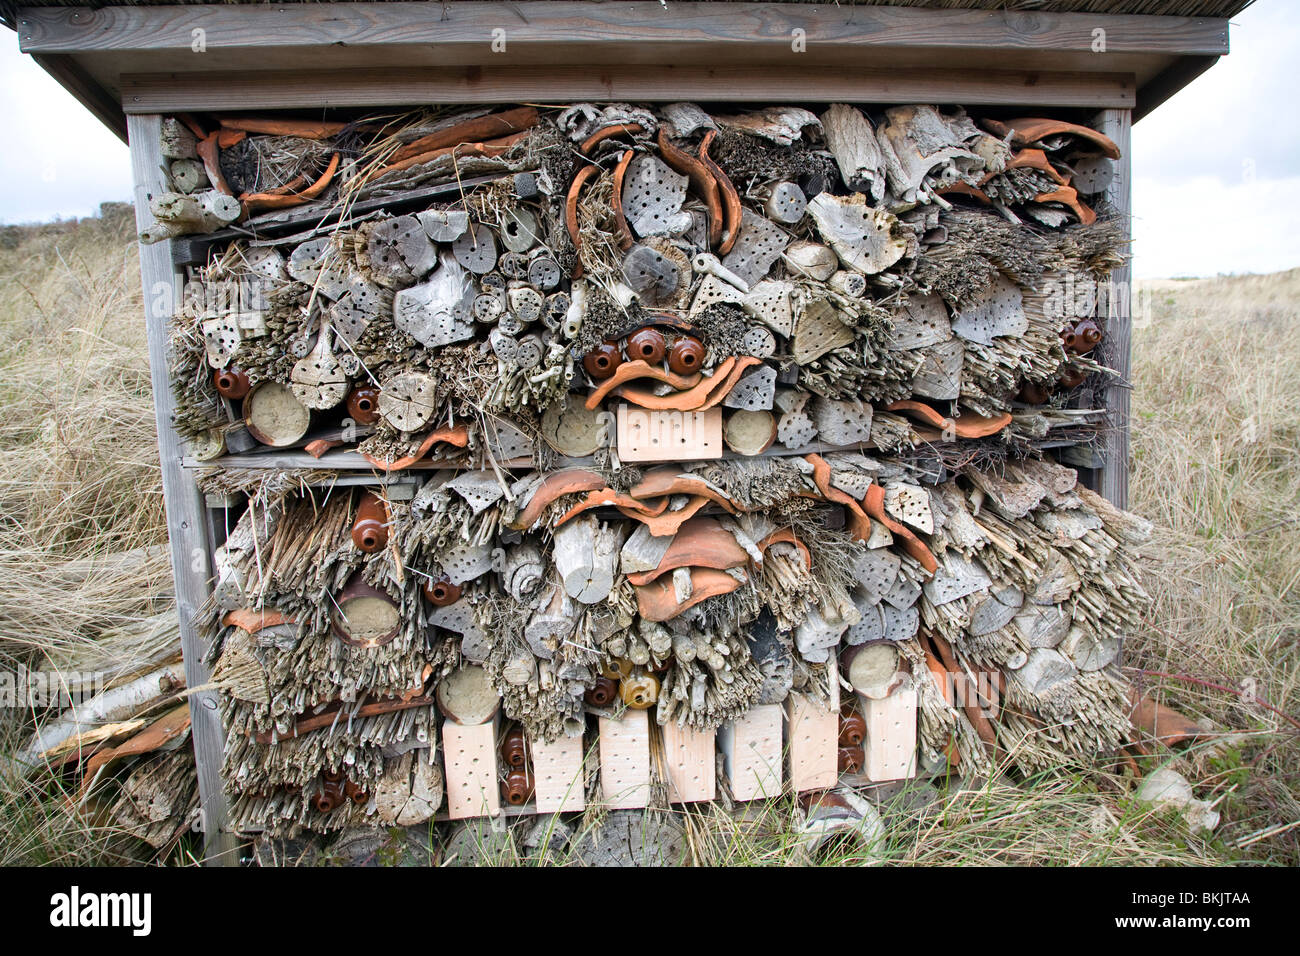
(559, 483)
(457, 437)
(1068, 197)
(727, 195)
(701, 543)
(657, 601)
(1033, 129)
(162, 731)
(1034, 159)
(667, 522)
(571, 212)
(706, 187)
(788, 536)
(254, 201)
(957, 677)
(253, 621)
(969, 425)
(706, 394)
(471, 131)
(858, 522)
(318, 721)
(226, 138)
(209, 152)
(1162, 723)
(609, 132)
(608, 496)
(669, 481)
(874, 503)
(320, 446)
(620, 171)
(630, 371)
(306, 129)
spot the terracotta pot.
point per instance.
(231, 382)
(364, 616)
(370, 528)
(441, 592)
(363, 405)
(331, 795)
(851, 760)
(601, 361)
(517, 787)
(687, 356)
(647, 345)
(853, 730)
(355, 793)
(514, 748)
(602, 694)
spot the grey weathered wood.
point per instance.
(191, 560)
(1113, 479)
(509, 83)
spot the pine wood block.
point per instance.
(469, 756)
(814, 744)
(890, 744)
(557, 772)
(689, 761)
(625, 760)
(752, 753)
(668, 435)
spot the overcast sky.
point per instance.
(1216, 169)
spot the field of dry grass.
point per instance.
(1217, 467)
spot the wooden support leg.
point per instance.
(557, 770)
(752, 753)
(469, 756)
(625, 760)
(691, 767)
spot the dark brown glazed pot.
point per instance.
(853, 730)
(647, 345)
(517, 787)
(442, 592)
(601, 361)
(363, 405)
(1031, 393)
(231, 382)
(355, 793)
(355, 590)
(331, 795)
(601, 694)
(370, 528)
(851, 759)
(514, 749)
(687, 356)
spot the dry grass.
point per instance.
(1216, 466)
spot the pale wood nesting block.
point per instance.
(668, 435)
(469, 754)
(625, 760)
(890, 744)
(814, 744)
(691, 767)
(557, 772)
(753, 754)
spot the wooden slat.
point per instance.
(146, 93)
(191, 558)
(464, 31)
(1118, 345)
(88, 93)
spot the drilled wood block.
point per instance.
(752, 753)
(690, 764)
(665, 435)
(814, 744)
(890, 744)
(469, 756)
(625, 760)
(557, 772)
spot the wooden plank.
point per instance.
(753, 755)
(890, 744)
(247, 90)
(625, 760)
(1169, 81)
(469, 755)
(88, 93)
(689, 763)
(186, 520)
(557, 773)
(1118, 345)
(465, 30)
(814, 744)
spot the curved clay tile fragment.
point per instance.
(969, 425)
(247, 619)
(271, 201)
(1162, 723)
(566, 482)
(874, 504)
(859, 524)
(788, 536)
(571, 212)
(704, 395)
(706, 187)
(210, 154)
(657, 601)
(608, 496)
(620, 171)
(701, 543)
(1034, 159)
(638, 369)
(598, 137)
(1069, 197)
(667, 523)
(1033, 129)
(471, 131)
(458, 436)
(306, 129)
(662, 482)
(730, 199)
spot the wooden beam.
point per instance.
(1118, 345)
(87, 92)
(473, 32)
(150, 93)
(1169, 81)
(186, 521)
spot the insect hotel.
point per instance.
(569, 405)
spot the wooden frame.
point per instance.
(331, 55)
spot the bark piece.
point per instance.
(853, 144)
(861, 236)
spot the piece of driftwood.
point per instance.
(178, 214)
(411, 789)
(862, 236)
(852, 142)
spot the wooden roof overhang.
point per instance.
(147, 59)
